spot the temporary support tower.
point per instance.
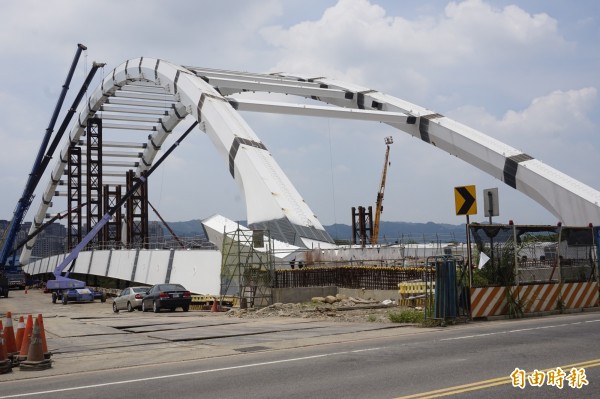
(137, 214)
(94, 176)
(247, 267)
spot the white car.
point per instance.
(130, 299)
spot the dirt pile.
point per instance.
(339, 308)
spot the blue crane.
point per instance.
(43, 158)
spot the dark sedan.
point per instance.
(167, 296)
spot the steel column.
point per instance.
(94, 176)
(74, 197)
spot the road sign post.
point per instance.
(492, 208)
(465, 199)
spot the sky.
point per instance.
(525, 73)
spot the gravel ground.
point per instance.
(340, 308)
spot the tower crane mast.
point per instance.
(379, 204)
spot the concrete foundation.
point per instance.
(297, 295)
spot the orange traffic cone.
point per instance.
(20, 332)
(9, 337)
(5, 363)
(40, 320)
(26, 339)
(35, 354)
(215, 306)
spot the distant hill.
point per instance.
(191, 228)
(389, 232)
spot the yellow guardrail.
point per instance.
(204, 302)
(412, 293)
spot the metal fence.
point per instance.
(518, 255)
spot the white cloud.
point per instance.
(357, 39)
(525, 74)
(555, 128)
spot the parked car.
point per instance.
(167, 296)
(130, 299)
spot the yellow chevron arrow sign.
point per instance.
(465, 199)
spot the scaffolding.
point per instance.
(247, 268)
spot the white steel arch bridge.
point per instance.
(153, 96)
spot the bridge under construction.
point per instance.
(117, 134)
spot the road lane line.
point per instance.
(519, 330)
(243, 366)
(487, 383)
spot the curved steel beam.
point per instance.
(572, 202)
(272, 202)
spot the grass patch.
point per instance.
(406, 316)
(372, 318)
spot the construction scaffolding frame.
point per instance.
(247, 268)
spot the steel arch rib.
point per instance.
(572, 202)
(272, 202)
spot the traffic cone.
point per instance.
(9, 337)
(215, 306)
(26, 339)
(20, 332)
(40, 320)
(5, 363)
(35, 354)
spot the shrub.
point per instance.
(406, 316)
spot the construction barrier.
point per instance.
(20, 332)
(5, 362)
(412, 293)
(26, 339)
(205, 302)
(494, 301)
(32, 353)
(35, 354)
(9, 337)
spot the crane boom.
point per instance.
(379, 204)
(36, 171)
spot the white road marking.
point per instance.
(519, 330)
(21, 395)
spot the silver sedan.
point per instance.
(130, 299)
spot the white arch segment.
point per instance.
(154, 96)
(572, 202)
(272, 202)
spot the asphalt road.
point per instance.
(465, 361)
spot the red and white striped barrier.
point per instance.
(492, 301)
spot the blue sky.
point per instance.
(523, 72)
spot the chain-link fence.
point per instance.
(507, 255)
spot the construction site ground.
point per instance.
(89, 336)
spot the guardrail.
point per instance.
(412, 293)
